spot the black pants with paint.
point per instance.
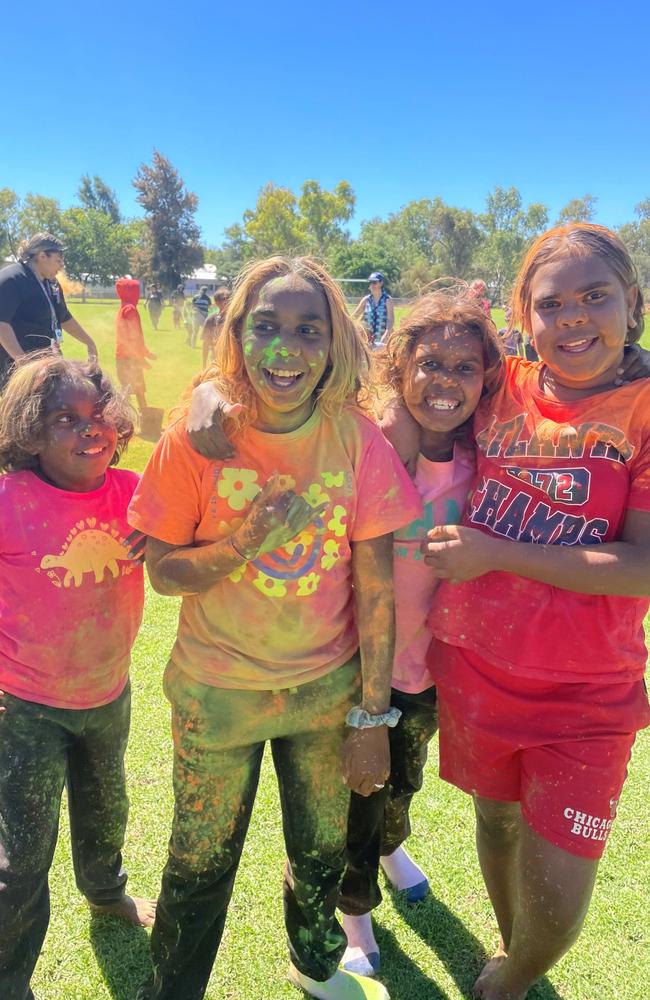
(41, 749)
(379, 824)
(219, 739)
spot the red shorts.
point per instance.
(561, 750)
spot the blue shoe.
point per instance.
(416, 893)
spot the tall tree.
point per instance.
(95, 194)
(636, 236)
(578, 210)
(40, 214)
(9, 222)
(174, 236)
(508, 229)
(323, 214)
(96, 247)
(273, 226)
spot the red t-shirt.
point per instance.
(563, 474)
(70, 599)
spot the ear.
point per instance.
(632, 295)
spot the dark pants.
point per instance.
(41, 749)
(379, 824)
(219, 738)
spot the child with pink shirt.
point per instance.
(441, 361)
(71, 600)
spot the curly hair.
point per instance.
(452, 305)
(346, 379)
(24, 402)
(579, 239)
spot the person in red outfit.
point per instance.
(131, 353)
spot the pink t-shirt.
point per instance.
(70, 599)
(443, 487)
(285, 618)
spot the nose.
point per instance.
(572, 314)
(89, 429)
(445, 376)
(289, 346)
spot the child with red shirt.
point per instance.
(441, 361)
(71, 601)
(540, 704)
(132, 355)
(273, 643)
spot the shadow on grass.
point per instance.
(457, 949)
(122, 953)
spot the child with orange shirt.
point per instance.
(71, 601)
(539, 708)
(273, 642)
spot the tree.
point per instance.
(40, 214)
(274, 225)
(96, 247)
(9, 222)
(173, 237)
(322, 214)
(636, 236)
(360, 258)
(578, 210)
(94, 194)
(508, 229)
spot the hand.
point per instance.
(135, 545)
(205, 422)
(275, 517)
(457, 554)
(92, 352)
(403, 432)
(635, 365)
(366, 760)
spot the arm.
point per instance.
(9, 341)
(403, 432)
(617, 568)
(366, 762)
(274, 518)
(205, 422)
(77, 331)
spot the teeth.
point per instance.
(576, 345)
(92, 451)
(442, 404)
(283, 373)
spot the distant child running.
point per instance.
(539, 653)
(274, 645)
(442, 360)
(71, 601)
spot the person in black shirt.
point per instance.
(200, 309)
(32, 306)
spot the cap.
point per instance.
(40, 242)
(376, 276)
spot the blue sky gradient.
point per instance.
(404, 101)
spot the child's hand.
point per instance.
(134, 545)
(275, 517)
(456, 553)
(403, 432)
(205, 422)
(635, 365)
(366, 760)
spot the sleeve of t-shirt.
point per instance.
(639, 495)
(63, 314)
(386, 497)
(9, 299)
(167, 501)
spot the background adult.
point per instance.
(177, 299)
(377, 310)
(214, 324)
(155, 305)
(200, 308)
(32, 306)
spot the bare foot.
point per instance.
(140, 912)
(484, 980)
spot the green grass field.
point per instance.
(429, 952)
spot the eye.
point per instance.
(64, 418)
(308, 331)
(430, 364)
(263, 327)
(467, 368)
(546, 305)
(595, 295)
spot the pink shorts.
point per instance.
(561, 750)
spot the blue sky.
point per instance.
(403, 100)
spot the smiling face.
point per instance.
(580, 313)
(442, 384)
(286, 344)
(77, 444)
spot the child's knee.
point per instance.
(499, 822)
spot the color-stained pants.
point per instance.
(219, 738)
(379, 824)
(41, 749)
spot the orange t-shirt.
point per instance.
(285, 618)
(553, 473)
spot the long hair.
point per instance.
(24, 401)
(579, 239)
(345, 380)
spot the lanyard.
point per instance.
(54, 322)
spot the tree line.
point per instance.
(424, 240)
